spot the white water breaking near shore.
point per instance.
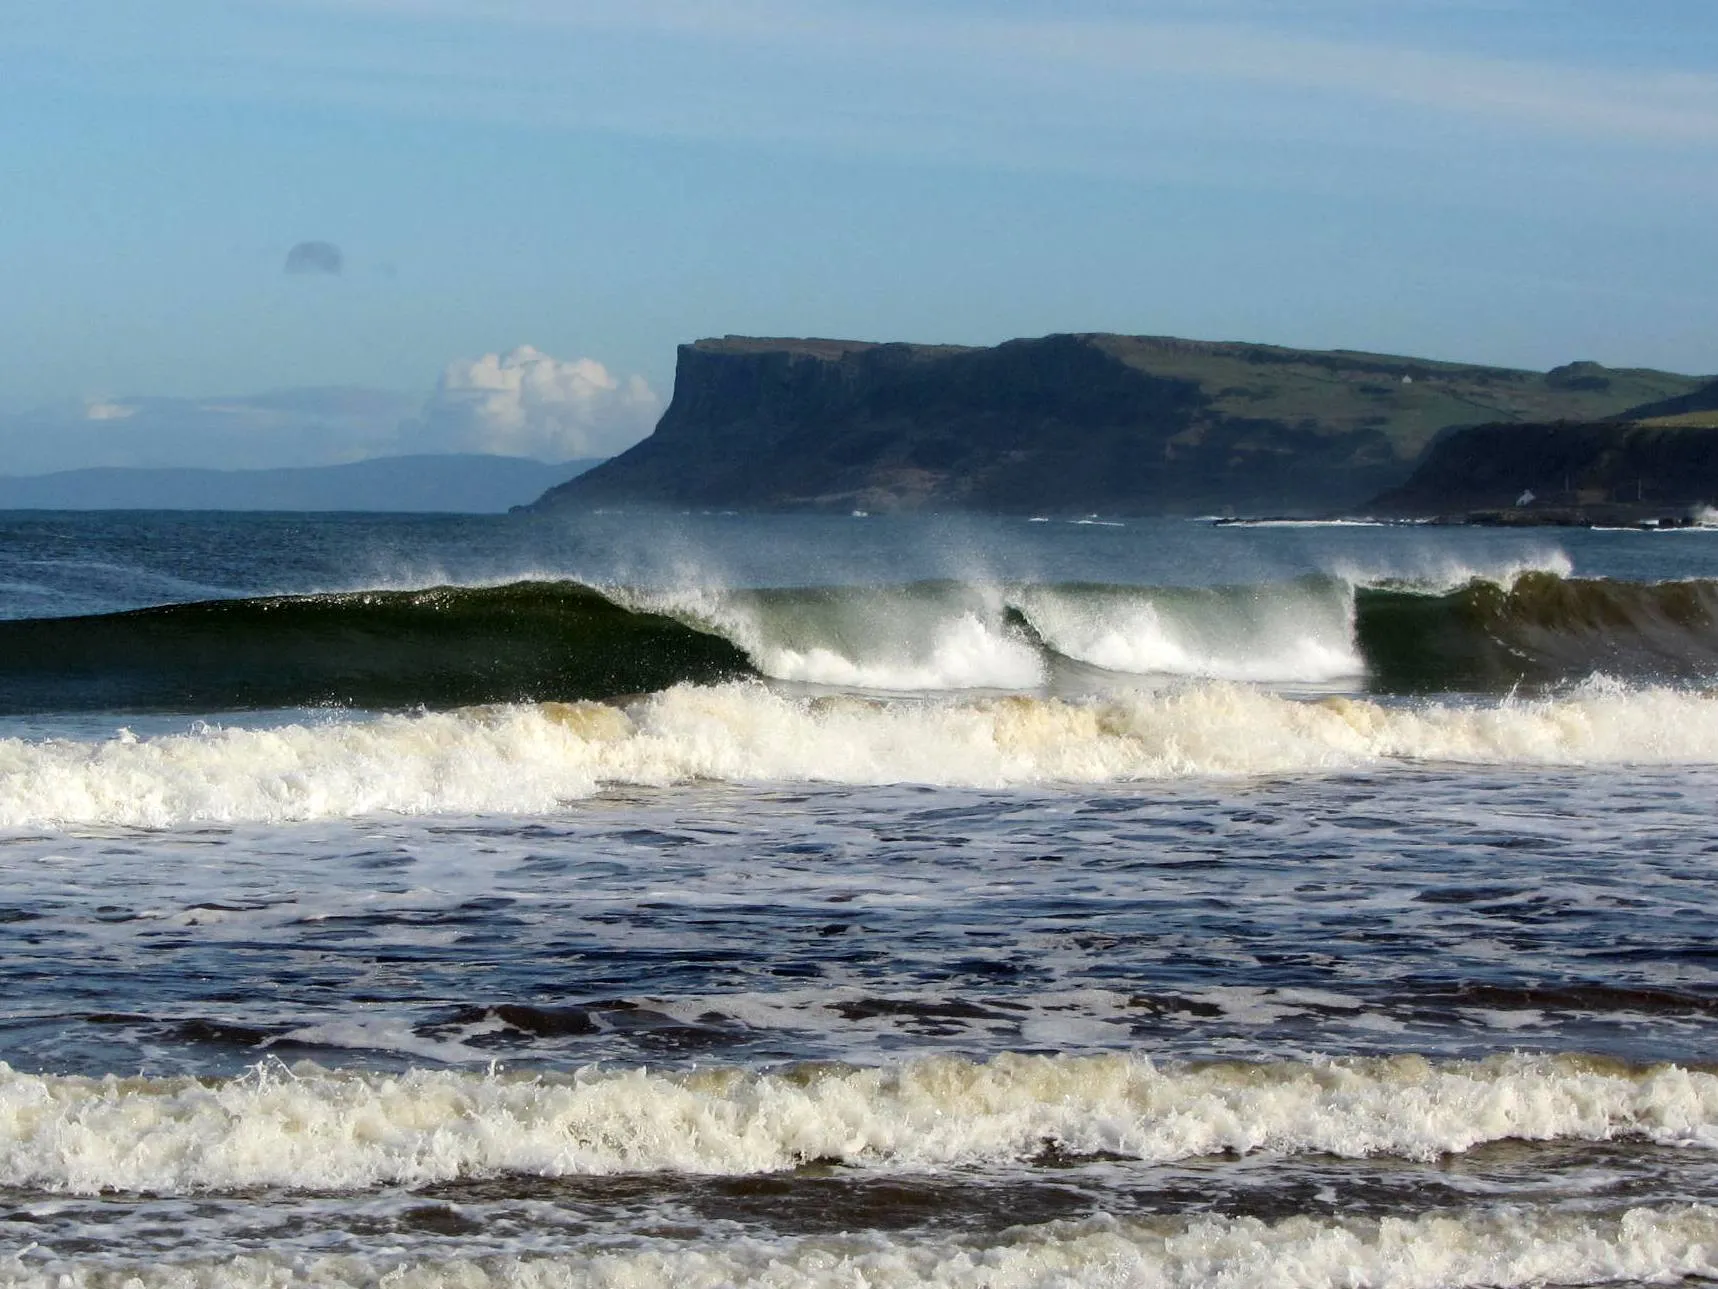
(1514, 1247)
(309, 1128)
(534, 758)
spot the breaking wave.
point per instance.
(1654, 1244)
(561, 641)
(1538, 628)
(309, 1128)
(533, 758)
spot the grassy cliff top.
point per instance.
(814, 346)
(1409, 400)
(1329, 392)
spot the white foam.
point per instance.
(534, 758)
(311, 1128)
(898, 639)
(1290, 633)
(1499, 1249)
(1653, 1244)
(387, 1035)
(964, 653)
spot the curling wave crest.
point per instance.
(311, 1128)
(952, 635)
(446, 647)
(533, 758)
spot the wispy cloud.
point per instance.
(1317, 96)
(1123, 53)
(312, 426)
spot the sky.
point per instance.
(283, 232)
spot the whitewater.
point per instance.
(827, 900)
(530, 759)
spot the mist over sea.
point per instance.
(710, 899)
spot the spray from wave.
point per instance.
(1295, 632)
(1433, 572)
(915, 637)
(454, 646)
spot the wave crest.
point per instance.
(451, 646)
(311, 1128)
(532, 758)
(1499, 1249)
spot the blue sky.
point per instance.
(1520, 183)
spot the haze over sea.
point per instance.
(967, 902)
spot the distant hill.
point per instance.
(457, 483)
(1071, 423)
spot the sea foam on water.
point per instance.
(532, 758)
(1653, 1244)
(306, 1127)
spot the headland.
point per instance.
(1074, 424)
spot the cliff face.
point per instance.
(1577, 467)
(1070, 423)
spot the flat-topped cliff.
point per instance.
(1069, 423)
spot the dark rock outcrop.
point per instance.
(1561, 472)
(1067, 423)
(1695, 404)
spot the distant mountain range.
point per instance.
(1075, 424)
(457, 483)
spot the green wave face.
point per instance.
(1540, 630)
(540, 641)
(438, 648)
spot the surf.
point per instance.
(1537, 628)
(306, 1127)
(448, 647)
(536, 758)
(1648, 1243)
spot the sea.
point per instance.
(631, 899)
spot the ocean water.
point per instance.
(639, 899)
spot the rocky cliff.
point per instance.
(1068, 423)
(1573, 473)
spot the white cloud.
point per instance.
(528, 403)
(523, 403)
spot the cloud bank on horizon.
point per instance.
(523, 403)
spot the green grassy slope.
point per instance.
(1409, 400)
